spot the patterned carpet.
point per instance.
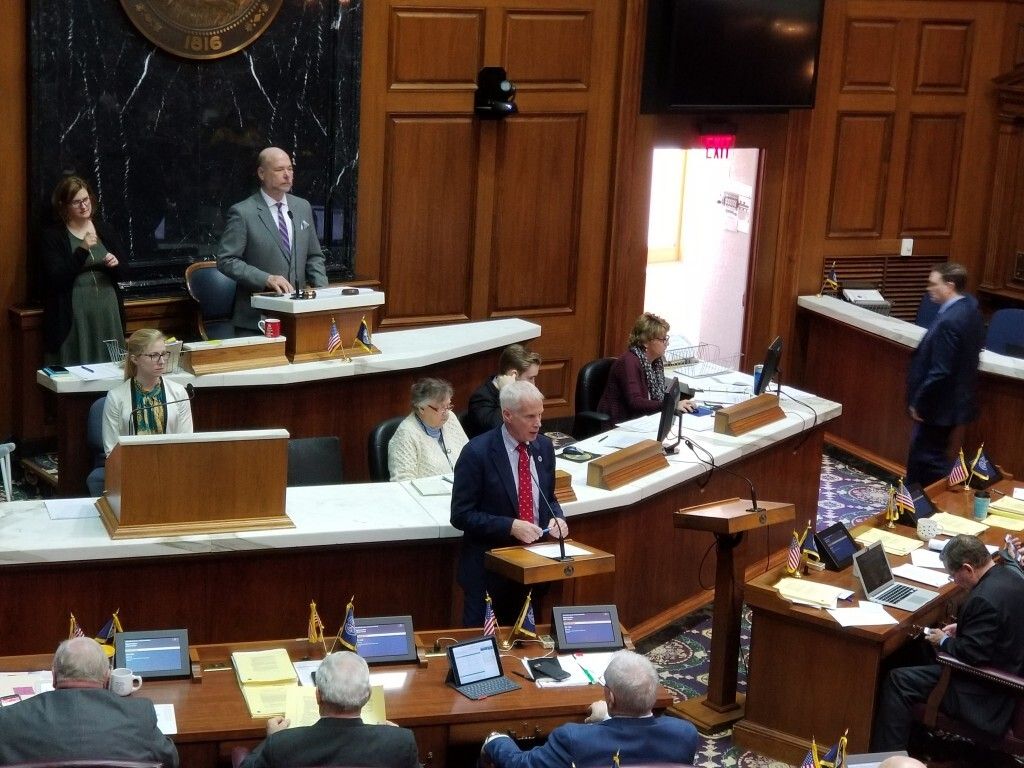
(848, 493)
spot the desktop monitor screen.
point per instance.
(587, 628)
(668, 410)
(770, 366)
(385, 639)
(153, 653)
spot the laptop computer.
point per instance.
(875, 576)
(475, 669)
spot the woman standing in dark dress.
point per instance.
(82, 304)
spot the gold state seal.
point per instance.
(201, 29)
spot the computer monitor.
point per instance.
(385, 639)
(153, 654)
(770, 367)
(587, 628)
(668, 410)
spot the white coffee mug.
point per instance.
(123, 682)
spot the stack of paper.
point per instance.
(866, 614)
(807, 592)
(952, 525)
(892, 543)
(921, 575)
(301, 707)
(1007, 505)
(265, 678)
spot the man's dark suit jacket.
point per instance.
(485, 502)
(636, 739)
(83, 724)
(337, 741)
(989, 632)
(944, 367)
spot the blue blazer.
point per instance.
(636, 739)
(484, 498)
(944, 367)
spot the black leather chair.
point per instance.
(377, 448)
(94, 438)
(214, 293)
(314, 461)
(590, 384)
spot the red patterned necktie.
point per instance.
(525, 485)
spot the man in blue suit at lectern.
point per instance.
(504, 495)
(943, 374)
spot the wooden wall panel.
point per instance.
(932, 169)
(537, 202)
(435, 47)
(530, 40)
(427, 255)
(862, 147)
(944, 58)
(870, 63)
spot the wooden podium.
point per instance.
(727, 521)
(206, 482)
(522, 566)
(306, 323)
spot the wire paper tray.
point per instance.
(700, 360)
(118, 352)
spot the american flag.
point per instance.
(793, 560)
(490, 620)
(811, 758)
(334, 338)
(74, 630)
(958, 472)
(904, 501)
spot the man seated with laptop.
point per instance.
(621, 724)
(339, 737)
(989, 633)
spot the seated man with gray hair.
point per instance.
(622, 724)
(81, 719)
(339, 737)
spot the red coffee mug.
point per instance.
(271, 327)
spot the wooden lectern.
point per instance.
(306, 323)
(206, 482)
(727, 521)
(522, 566)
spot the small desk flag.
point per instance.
(106, 634)
(904, 501)
(958, 472)
(333, 338)
(316, 627)
(363, 338)
(831, 282)
(836, 756)
(808, 546)
(73, 629)
(347, 632)
(490, 620)
(793, 557)
(525, 625)
(983, 471)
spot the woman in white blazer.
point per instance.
(146, 403)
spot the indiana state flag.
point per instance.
(363, 338)
(836, 756)
(809, 547)
(347, 633)
(113, 625)
(983, 471)
(525, 625)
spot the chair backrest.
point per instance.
(377, 448)
(926, 311)
(1006, 332)
(314, 461)
(94, 432)
(214, 292)
(590, 383)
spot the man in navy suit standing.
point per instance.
(943, 374)
(504, 495)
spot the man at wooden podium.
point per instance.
(269, 242)
(504, 495)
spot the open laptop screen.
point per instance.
(873, 567)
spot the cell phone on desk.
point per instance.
(546, 668)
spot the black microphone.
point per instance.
(292, 271)
(190, 392)
(711, 462)
(562, 558)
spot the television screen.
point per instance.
(738, 55)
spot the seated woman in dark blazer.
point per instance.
(636, 382)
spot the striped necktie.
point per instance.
(282, 228)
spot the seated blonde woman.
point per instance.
(429, 440)
(146, 403)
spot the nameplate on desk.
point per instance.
(241, 354)
(626, 465)
(742, 417)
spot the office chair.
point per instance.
(928, 714)
(214, 293)
(927, 311)
(85, 764)
(590, 384)
(377, 448)
(314, 461)
(1006, 333)
(94, 439)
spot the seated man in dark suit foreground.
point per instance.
(990, 632)
(622, 723)
(80, 719)
(339, 737)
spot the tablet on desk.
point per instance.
(587, 628)
(385, 639)
(153, 654)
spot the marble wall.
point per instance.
(170, 144)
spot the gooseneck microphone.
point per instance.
(562, 557)
(190, 392)
(711, 463)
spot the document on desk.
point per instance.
(812, 593)
(892, 543)
(71, 509)
(97, 371)
(165, 719)
(1005, 520)
(866, 614)
(921, 575)
(1009, 505)
(301, 707)
(434, 486)
(264, 667)
(952, 525)
(927, 558)
(582, 668)
(554, 552)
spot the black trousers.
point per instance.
(928, 459)
(905, 687)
